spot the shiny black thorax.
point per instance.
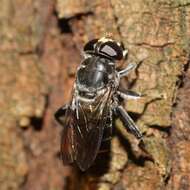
(94, 74)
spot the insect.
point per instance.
(95, 99)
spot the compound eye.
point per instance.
(112, 49)
(90, 46)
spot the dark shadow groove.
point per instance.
(186, 66)
(140, 160)
(64, 26)
(181, 78)
(64, 23)
(134, 116)
(166, 129)
(37, 123)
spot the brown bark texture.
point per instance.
(40, 49)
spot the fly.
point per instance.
(95, 99)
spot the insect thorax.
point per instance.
(94, 76)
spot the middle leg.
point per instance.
(128, 94)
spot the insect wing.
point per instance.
(83, 131)
(89, 130)
(67, 137)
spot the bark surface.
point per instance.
(41, 43)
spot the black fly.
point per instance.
(95, 99)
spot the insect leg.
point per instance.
(128, 94)
(127, 70)
(60, 113)
(128, 122)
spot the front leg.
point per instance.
(127, 70)
(60, 113)
(128, 122)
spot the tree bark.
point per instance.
(41, 43)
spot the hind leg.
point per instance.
(127, 121)
(60, 113)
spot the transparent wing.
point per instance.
(83, 131)
(67, 136)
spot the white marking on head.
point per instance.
(104, 39)
(125, 52)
